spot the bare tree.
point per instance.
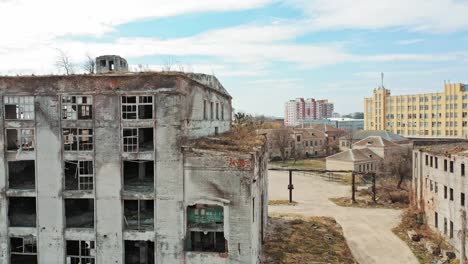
(64, 63)
(168, 64)
(397, 165)
(89, 65)
(281, 139)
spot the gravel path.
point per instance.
(367, 231)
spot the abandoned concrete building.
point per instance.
(106, 168)
(440, 186)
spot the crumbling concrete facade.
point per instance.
(111, 182)
(439, 187)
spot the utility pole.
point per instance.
(353, 187)
(290, 187)
(374, 190)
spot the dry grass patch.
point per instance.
(292, 239)
(412, 220)
(281, 202)
(310, 164)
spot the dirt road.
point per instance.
(367, 231)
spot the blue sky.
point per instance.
(265, 52)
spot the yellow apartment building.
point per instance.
(420, 115)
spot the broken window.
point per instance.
(139, 252)
(137, 107)
(19, 107)
(138, 175)
(77, 139)
(111, 65)
(22, 211)
(20, 139)
(103, 63)
(79, 175)
(205, 228)
(80, 252)
(77, 107)
(79, 213)
(222, 111)
(138, 139)
(21, 175)
(23, 250)
(139, 214)
(204, 110)
(211, 111)
(217, 111)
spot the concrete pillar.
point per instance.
(49, 174)
(108, 213)
(3, 201)
(141, 170)
(169, 247)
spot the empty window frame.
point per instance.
(19, 107)
(22, 211)
(137, 139)
(222, 111)
(79, 175)
(138, 176)
(81, 252)
(20, 139)
(205, 228)
(139, 214)
(211, 110)
(451, 194)
(462, 169)
(217, 111)
(451, 229)
(21, 175)
(451, 166)
(77, 107)
(23, 250)
(205, 115)
(78, 139)
(137, 107)
(79, 213)
(139, 252)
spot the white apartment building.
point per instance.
(302, 110)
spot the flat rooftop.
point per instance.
(230, 142)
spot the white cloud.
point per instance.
(416, 15)
(405, 42)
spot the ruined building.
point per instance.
(109, 168)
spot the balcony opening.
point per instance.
(81, 252)
(23, 250)
(79, 175)
(139, 252)
(22, 211)
(138, 139)
(139, 214)
(205, 228)
(138, 176)
(21, 175)
(20, 139)
(79, 213)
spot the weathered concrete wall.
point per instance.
(434, 201)
(4, 250)
(231, 180)
(49, 171)
(177, 115)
